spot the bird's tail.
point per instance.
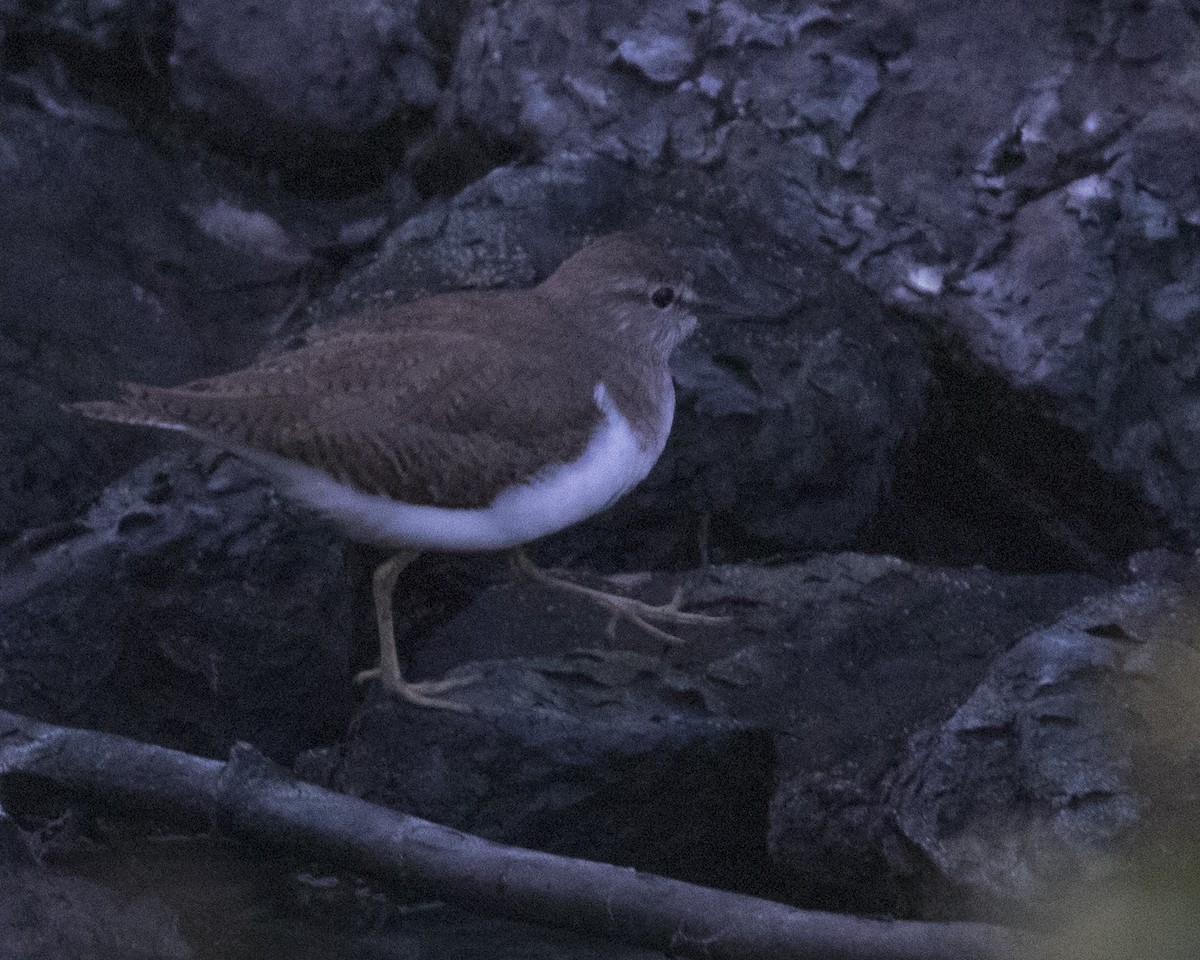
(141, 406)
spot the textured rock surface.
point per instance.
(109, 274)
(105, 25)
(805, 647)
(186, 609)
(292, 77)
(595, 755)
(44, 915)
(1076, 749)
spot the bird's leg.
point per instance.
(635, 611)
(384, 585)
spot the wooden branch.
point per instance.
(257, 800)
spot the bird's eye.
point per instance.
(663, 297)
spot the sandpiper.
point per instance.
(475, 420)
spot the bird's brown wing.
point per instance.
(436, 417)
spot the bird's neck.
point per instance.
(644, 394)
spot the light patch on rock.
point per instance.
(1084, 192)
(249, 231)
(659, 57)
(710, 84)
(588, 93)
(925, 280)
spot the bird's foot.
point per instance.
(637, 612)
(423, 693)
(640, 614)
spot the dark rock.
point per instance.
(555, 89)
(113, 271)
(660, 47)
(1075, 752)
(47, 916)
(596, 755)
(1152, 32)
(1068, 224)
(106, 26)
(185, 609)
(991, 479)
(289, 78)
(838, 661)
(845, 657)
(16, 850)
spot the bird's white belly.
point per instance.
(614, 461)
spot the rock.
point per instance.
(45, 915)
(106, 25)
(1073, 758)
(844, 657)
(1032, 343)
(187, 609)
(105, 279)
(787, 85)
(594, 754)
(288, 79)
(805, 649)
(660, 48)
(1066, 228)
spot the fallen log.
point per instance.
(254, 799)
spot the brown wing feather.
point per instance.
(435, 416)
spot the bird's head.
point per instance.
(626, 287)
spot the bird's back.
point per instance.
(431, 407)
